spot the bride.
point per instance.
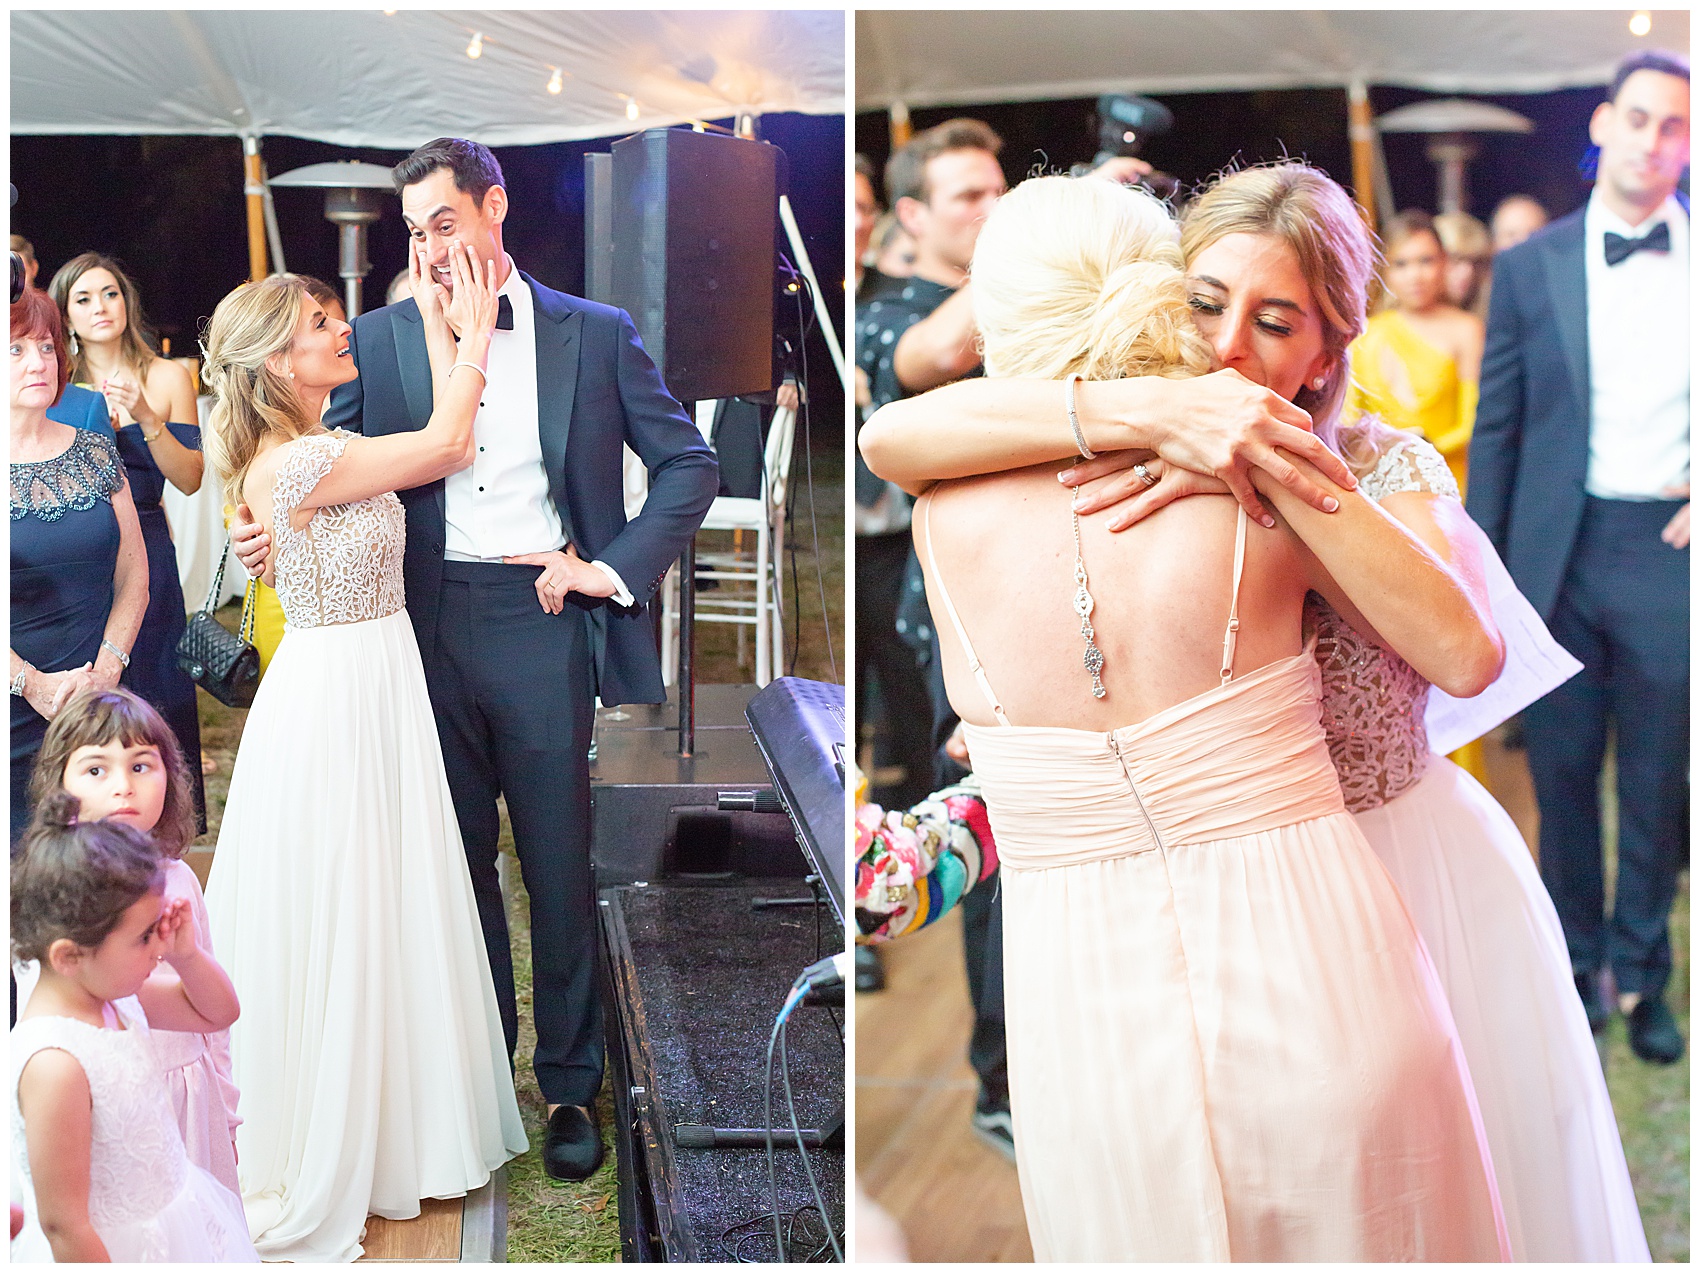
(1226, 1040)
(370, 1055)
(1459, 862)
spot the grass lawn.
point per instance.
(563, 1223)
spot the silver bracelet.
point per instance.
(18, 680)
(1074, 419)
(123, 658)
(481, 372)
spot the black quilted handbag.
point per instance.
(224, 665)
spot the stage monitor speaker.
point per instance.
(598, 228)
(694, 220)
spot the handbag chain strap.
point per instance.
(218, 578)
(250, 608)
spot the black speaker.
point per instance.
(599, 228)
(694, 219)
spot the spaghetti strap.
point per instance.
(974, 665)
(1231, 638)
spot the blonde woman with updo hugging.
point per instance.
(1226, 1041)
(371, 1060)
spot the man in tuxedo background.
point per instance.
(528, 590)
(1579, 472)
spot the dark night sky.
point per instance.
(1213, 129)
(171, 210)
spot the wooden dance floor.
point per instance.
(954, 1197)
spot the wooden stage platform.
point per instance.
(954, 1197)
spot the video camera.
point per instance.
(1125, 123)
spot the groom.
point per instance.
(528, 590)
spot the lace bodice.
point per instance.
(87, 471)
(344, 566)
(1372, 700)
(137, 1164)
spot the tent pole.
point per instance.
(900, 130)
(273, 237)
(1361, 129)
(254, 187)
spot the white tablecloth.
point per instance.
(197, 527)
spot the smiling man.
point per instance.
(528, 591)
(1579, 475)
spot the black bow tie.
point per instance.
(505, 311)
(1619, 248)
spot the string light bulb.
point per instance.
(631, 108)
(389, 13)
(476, 48)
(1641, 23)
(555, 80)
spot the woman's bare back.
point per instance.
(1004, 544)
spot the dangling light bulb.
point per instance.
(555, 80)
(1641, 23)
(476, 48)
(631, 108)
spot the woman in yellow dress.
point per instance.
(1418, 365)
(1419, 361)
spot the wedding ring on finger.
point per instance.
(1145, 475)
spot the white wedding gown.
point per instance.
(1476, 896)
(370, 1053)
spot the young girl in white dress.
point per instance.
(94, 1139)
(117, 755)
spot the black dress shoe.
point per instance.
(1588, 987)
(1653, 1033)
(572, 1147)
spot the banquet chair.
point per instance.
(751, 590)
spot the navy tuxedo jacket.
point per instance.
(596, 389)
(1529, 451)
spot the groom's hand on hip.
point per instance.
(564, 571)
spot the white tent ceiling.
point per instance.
(357, 77)
(961, 58)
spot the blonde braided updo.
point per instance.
(251, 325)
(1083, 275)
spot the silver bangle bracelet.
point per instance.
(1074, 419)
(123, 658)
(483, 375)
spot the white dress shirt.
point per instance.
(500, 506)
(1637, 357)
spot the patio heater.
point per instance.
(351, 204)
(1449, 123)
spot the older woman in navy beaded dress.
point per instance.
(79, 568)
